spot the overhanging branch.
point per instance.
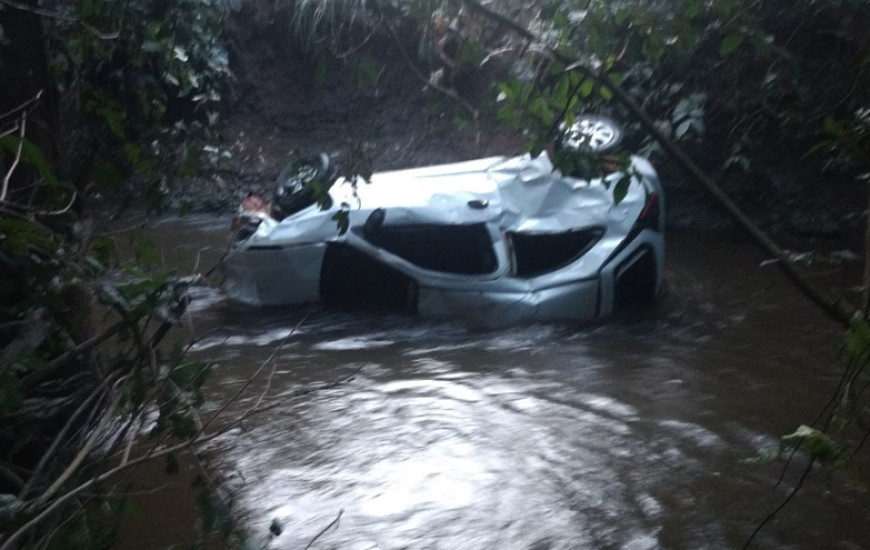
(834, 308)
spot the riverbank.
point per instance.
(284, 100)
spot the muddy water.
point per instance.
(627, 434)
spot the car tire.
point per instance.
(292, 195)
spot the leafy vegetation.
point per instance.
(121, 98)
(108, 95)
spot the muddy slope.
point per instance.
(288, 98)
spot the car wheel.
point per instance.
(293, 192)
(593, 132)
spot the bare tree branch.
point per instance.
(61, 435)
(22, 125)
(26, 106)
(39, 375)
(12, 539)
(446, 91)
(82, 454)
(782, 505)
(248, 382)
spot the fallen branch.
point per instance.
(12, 539)
(83, 453)
(22, 125)
(834, 308)
(73, 419)
(39, 375)
(783, 504)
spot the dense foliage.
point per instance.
(103, 96)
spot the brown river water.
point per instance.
(628, 434)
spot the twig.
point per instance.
(82, 454)
(282, 399)
(215, 266)
(325, 529)
(125, 230)
(199, 257)
(448, 92)
(58, 439)
(266, 389)
(26, 106)
(23, 126)
(11, 476)
(248, 382)
(361, 45)
(779, 508)
(10, 131)
(40, 375)
(860, 445)
(63, 210)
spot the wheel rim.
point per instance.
(592, 133)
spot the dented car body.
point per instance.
(491, 241)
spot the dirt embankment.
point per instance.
(285, 98)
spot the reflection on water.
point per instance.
(628, 434)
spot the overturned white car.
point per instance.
(491, 241)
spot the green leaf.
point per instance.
(342, 221)
(177, 352)
(191, 375)
(729, 44)
(586, 87)
(30, 155)
(621, 189)
(535, 147)
(833, 127)
(114, 119)
(683, 128)
(858, 337)
(104, 249)
(605, 93)
(146, 252)
(820, 445)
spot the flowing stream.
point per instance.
(628, 434)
